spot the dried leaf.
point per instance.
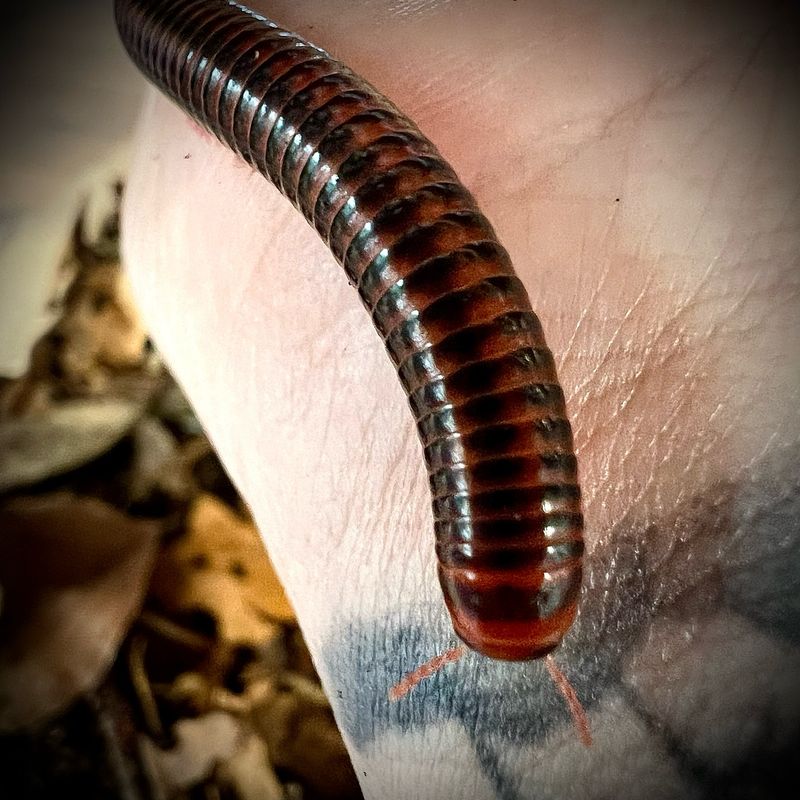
(73, 571)
(220, 567)
(301, 735)
(249, 774)
(172, 406)
(35, 448)
(154, 455)
(202, 743)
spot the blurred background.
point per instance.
(69, 107)
(146, 647)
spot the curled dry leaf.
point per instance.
(190, 469)
(201, 743)
(98, 335)
(68, 436)
(73, 571)
(154, 455)
(249, 774)
(172, 406)
(302, 738)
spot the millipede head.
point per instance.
(520, 617)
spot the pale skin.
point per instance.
(639, 164)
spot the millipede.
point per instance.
(441, 290)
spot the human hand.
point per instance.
(639, 168)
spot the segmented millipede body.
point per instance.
(442, 292)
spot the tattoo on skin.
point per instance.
(663, 631)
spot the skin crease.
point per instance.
(638, 162)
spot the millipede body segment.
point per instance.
(440, 288)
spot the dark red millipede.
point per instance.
(442, 292)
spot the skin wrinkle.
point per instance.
(239, 292)
(393, 508)
(639, 104)
(593, 298)
(713, 119)
(673, 352)
(415, 8)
